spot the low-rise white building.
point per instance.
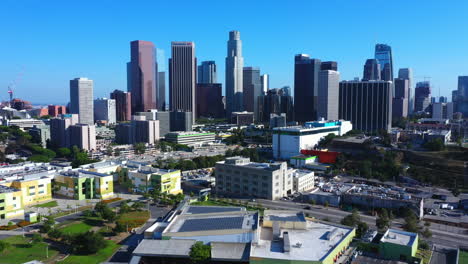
(303, 180)
(288, 141)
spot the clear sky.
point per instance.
(44, 44)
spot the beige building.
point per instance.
(83, 136)
(237, 176)
(303, 180)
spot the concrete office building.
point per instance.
(252, 88)
(123, 105)
(383, 55)
(161, 101)
(265, 80)
(306, 74)
(105, 110)
(303, 180)
(238, 177)
(407, 73)
(276, 101)
(163, 118)
(371, 70)
(234, 74)
(289, 141)
(422, 96)
(182, 77)
(367, 105)
(83, 136)
(242, 118)
(278, 120)
(141, 75)
(181, 121)
(207, 72)
(146, 131)
(59, 129)
(442, 111)
(328, 91)
(40, 133)
(191, 138)
(400, 98)
(209, 100)
(81, 100)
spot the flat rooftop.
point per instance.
(283, 215)
(399, 237)
(172, 248)
(211, 209)
(152, 170)
(5, 189)
(311, 244)
(241, 220)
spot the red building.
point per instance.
(123, 105)
(55, 110)
(328, 157)
(19, 104)
(39, 112)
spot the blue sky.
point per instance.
(44, 44)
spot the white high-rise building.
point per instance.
(234, 74)
(265, 79)
(407, 73)
(328, 93)
(81, 100)
(104, 110)
(83, 136)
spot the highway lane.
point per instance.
(335, 215)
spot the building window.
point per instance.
(2, 200)
(40, 185)
(31, 187)
(41, 192)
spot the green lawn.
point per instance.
(76, 228)
(101, 256)
(225, 203)
(134, 219)
(47, 205)
(463, 257)
(22, 251)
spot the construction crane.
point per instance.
(14, 83)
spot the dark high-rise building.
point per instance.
(422, 96)
(209, 100)
(400, 98)
(454, 96)
(141, 75)
(368, 104)
(161, 91)
(306, 72)
(252, 89)
(442, 99)
(371, 70)
(123, 105)
(182, 77)
(329, 66)
(181, 121)
(462, 95)
(207, 72)
(383, 54)
(275, 102)
(234, 70)
(407, 73)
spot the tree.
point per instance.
(434, 145)
(426, 233)
(55, 233)
(64, 152)
(119, 227)
(326, 140)
(200, 253)
(312, 202)
(352, 220)
(137, 206)
(36, 238)
(326, 204)
(39, 158)
(411, 224)
(3, 245)
(87, 243)
(361, 229)
(139, 148)
(383, 220)
(124, 208)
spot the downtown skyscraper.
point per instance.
(81, 100)
(252, 89)
(141, 75)
(182, 77)
(422, 96)
(383, 54)
(306, 75)
(407, 74)
(234, 74)
(371, 70)
(207, 72)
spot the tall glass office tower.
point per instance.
(234, 74)
(383, 53)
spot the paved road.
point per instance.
(335, 215)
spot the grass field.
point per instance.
(224, 203)
(22, 251)
(76, 228)
(101, 256)
(134, 219)
(463, 257)
(47, 205)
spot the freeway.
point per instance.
(439, 237)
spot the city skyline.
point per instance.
(43, 66)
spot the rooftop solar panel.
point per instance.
(292, 218)
(191, 225)
(211, 209)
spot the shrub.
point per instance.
(23, 223)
